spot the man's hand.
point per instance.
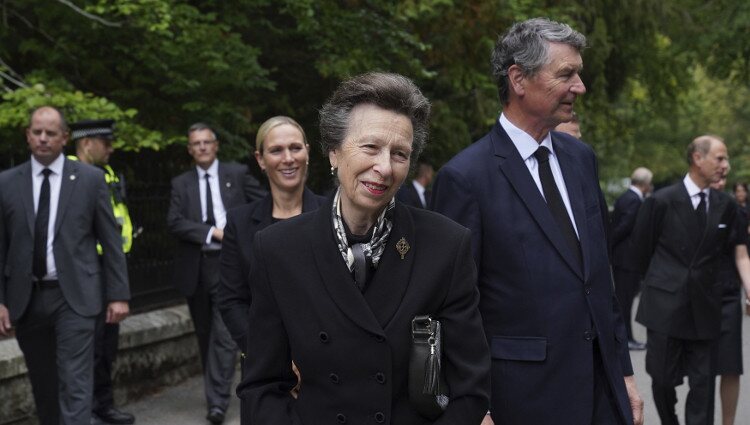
(487, 420)
(4, 320)
(636, 402)
(117, 311)
(218, 234)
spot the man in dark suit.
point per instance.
(197, 216)
(531, 198)
(627, 279)
(57, 210)
(678, 237)
(415, 192)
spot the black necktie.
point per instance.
(427, 196)
(210, 220)
(700, 211)
(555, 202)
(39, 266)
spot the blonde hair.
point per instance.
(272, 123)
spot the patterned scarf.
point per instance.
(374, 249)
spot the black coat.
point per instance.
(623, 221)
(352, 348)
(407, 194)
(184, 219)
(234, 296)
(680, 295)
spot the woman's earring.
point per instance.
(333, 170)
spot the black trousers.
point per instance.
(105, 354)
(667, 361)
(627, 286)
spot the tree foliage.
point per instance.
(658, 72)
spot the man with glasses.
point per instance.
(197, 215)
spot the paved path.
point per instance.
(185, 405)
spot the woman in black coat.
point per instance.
(336, 290)
(282, 153)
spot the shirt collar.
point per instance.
(692, 188)
(418, 186)
(637, 191)
(213, 169)
(525, 144)
(56, 166)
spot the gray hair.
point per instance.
(200, 126)
(701, 144)
(392, 92)
(526, 44)
(641, 176)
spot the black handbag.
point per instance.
(428, 391)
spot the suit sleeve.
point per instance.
(234, 291)
(264, 389)
(625, 219)
(178, 223)
(114, 265)
(453, 197)
(646, 233)
(251, 186)
(467, 356)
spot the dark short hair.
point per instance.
(63, 122)
(389, 91)
(526, 44)
(739, 184)
(200, 126)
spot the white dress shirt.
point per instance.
(637, 191)
(420, 191)
(526, 146)
(220, 214)
(55, 181)
(693, 190)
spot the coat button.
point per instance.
(588, 335)
(380, 378)
(587, 289)
(323, 337)
(379, 338)
(334, 378)
(341, 418)
(379, 417)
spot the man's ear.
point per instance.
(516, 80)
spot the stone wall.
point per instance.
(157, 349)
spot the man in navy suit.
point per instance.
(531, 198)
(415, 192)
(627, 277)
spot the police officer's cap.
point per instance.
(103, 129)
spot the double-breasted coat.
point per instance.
(352, 348)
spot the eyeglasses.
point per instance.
(199, 143)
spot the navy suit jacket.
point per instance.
(243, 222)
(541, 311)
(407, 194)
(623, 221)
(184, 218)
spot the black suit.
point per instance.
(236, 258)
(681, 300)
(196, 270)
(55, 320)
(352, 348)
(407, 194)
(627, 279)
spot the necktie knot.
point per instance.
(542, 154)
(46, 172)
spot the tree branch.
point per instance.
(89, 15)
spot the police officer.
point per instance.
(93, 139)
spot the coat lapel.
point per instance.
(262, 215)
(716, 207)
(337, 280)
(194, 197)
(685, 210)
(513, 167)
(391, 280)
(26, 185)
(67, 186)
(225, 186)
(574, 185)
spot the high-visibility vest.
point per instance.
(117, 198)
